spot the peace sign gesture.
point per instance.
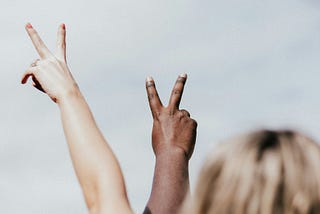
(172, 128)
(50, 73)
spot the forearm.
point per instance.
(170, 183)
(96, 166)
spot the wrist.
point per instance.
(69, 96)
(172, 152)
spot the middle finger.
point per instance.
(177, 91)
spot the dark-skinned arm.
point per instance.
(173, 140)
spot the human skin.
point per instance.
(173, 140)
(95, 164)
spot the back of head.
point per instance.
(262, 172)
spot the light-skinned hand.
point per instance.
(50, 73)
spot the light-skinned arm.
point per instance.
(95, 164)
(173, 140)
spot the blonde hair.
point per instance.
(262, 172)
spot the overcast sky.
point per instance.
(251, 64)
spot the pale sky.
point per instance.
(251, 64)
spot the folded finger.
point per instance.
(153, 97)
(61, 42)
(177, 91)
(28, 73)
(37, 42)
(185, 112)
(36, 84)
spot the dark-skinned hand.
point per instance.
(173, 129)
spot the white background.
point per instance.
(250, 64)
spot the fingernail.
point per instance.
(149, 79)
(28, 25)
(63, 26)
(183, 75)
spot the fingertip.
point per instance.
(149, 79)
(150, 82)
(25, 77)
(63, 26)
(28, 26)
(184, 75)
(23, 80)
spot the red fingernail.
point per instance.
(28, 25)
(63, 26)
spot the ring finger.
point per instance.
(35, 63)
(185, 112)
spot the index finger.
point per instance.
(37, 42)
(153, 97)
(177, 91)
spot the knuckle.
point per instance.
(172, 112)
(32, 32)
(52, 60)
(39, 43)
(40, 62)
(185, 112)
(176, 92)
(35, 73)
(156, 115)
(62, 44)
(180, 114)
(150, 85)
(151, 96)
(60, 61)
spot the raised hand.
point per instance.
(172, 128)
(173, 140)
(95, 164)
(50, 73)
